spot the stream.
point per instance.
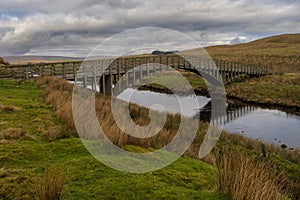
(270, 125)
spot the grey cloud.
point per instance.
(28, 26)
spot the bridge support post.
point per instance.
(106, 84)
(231, 71)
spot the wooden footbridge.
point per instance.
(103, 74)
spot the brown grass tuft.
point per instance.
(243, 178)
(12, 133)
(9, 108)
(256, 145)
(54, 133)
(60, 97)
(50, 186)
(58, 93)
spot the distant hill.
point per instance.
(37, 59)
(281, 52)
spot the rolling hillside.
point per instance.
(282, 52)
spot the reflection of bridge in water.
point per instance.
(233, 112)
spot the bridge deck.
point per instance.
(90, 71)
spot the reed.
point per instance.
(60, 97)
(244, 178)
(50, 186)
(58, 93)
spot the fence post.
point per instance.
(84, 78)
(52, 70)
(64, 71)
(26, 75)
(13, 73)
(103, 79)
(133, 69)
(5, 71)
(74, 72)
(40, 70)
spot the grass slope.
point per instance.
(281, 53)
(25, 157)
(272, 90)
(280, 90)
(280, 161)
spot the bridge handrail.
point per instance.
(68, 68)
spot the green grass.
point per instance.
(23, 160)
(87, 178)
(174, 82)
(281, 90)
(277, 90)
(33, 116)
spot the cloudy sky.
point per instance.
(75, 27)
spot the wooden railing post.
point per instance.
(5, 71)
(103, 81)
(40, 70)
(52, 69)
(74, 71)
(13, 73)
(94, 85)
(84, 77)
(26, 73)
(64, 71)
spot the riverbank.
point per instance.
(273, 90)
(37, 150)
(276, 91)
(283, 160)
(42, 142)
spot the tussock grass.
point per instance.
(58, 93)
(54, 133)
(50, 186)
(243, 178)
(59, 97)
(9, 108)
(256, 145)
(86, 178)
(12, 133)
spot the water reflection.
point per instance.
(265, 124)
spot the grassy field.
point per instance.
(278, 160)
(26, 152)
(39, 147)
(279, 53)
(280, 90)
(272, 90)
(171, 79)
(34, 141)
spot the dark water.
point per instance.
(269, 125)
